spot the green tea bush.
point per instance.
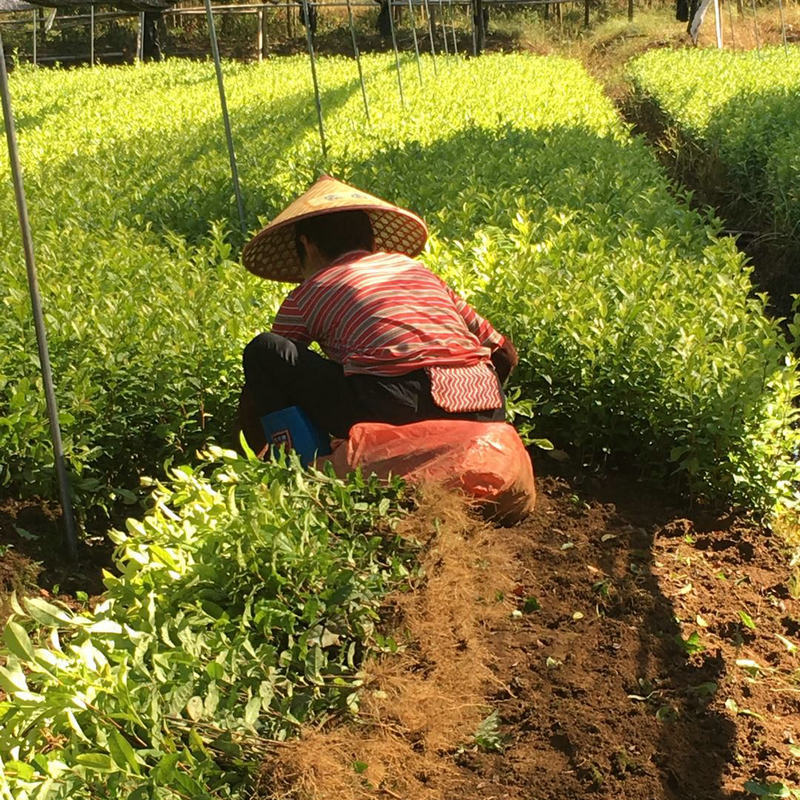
(637, 337)
(743, 108)
(245, 604)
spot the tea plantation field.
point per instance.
(247, 597)
(740, 107)
(637, 339)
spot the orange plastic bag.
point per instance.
(485, 460)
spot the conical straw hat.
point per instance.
(271, 253)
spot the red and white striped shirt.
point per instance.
(386, 314)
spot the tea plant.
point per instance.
(245, 604)
(743, 107)
(638, 342)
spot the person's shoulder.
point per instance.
(382, 258)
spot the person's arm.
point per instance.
(505, 359)
(290, 323)
(504, 354)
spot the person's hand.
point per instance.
(505, 358)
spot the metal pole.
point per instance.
(70, 537)
(310, 45)
(430, 33)
(718, 24)
(416, 44)
(91, 36)
(396, 56)
(358, 58)
(35, 26)
(783, 28)
(212, 32)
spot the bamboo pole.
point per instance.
(416, 43)
(430, 33)
(396, 56)
(783, 28)
(358, 58)
(471, 12)
(260, 36)
(730, 16)
(755, 27)
(453, 25)
(718, 24)
(310, 45)
(91, 36)
(212, 33)
(444, 27)
(70, 536)
(140, 38)
(35, 31)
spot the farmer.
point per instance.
(401, 346)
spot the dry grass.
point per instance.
(421, 704)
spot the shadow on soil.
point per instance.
(602, 700)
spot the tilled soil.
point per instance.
(654, 658)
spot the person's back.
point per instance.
(386, 314)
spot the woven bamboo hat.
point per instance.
(271, 253)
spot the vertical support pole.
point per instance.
(430, 33)
(70, 537)
(260, 36)
(416, 43)
(471, 12)
(630, 10)
(718, 24)
(783, 28)
(358, 58)
(140, 38)
(91, 35)
(396, 55)
(212, 32)
(586, 14)
(730, 16)
(480, 24)
(444, 28)
(755, 27)
(310, 45)
(35, 26)
(453, 25)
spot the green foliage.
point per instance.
(744, 107)
(246, 602)
(637, 340)
(488, 736)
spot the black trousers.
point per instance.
(279, 373)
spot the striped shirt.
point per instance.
(386, 314)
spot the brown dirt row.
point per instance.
(632, 652)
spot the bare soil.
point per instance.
(576, 624)
(33, 559)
